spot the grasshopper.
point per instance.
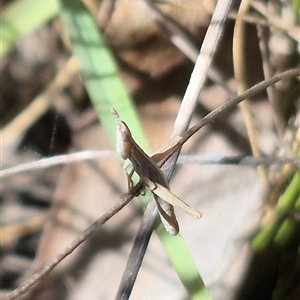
(151, 175)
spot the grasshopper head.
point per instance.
(124, 138)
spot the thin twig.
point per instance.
(179, 39)
(231, 104)
(237, 160)
(199, 74)
(170, 29)
(277, 22)
(74, 244)
(57, 161)
(87, 155)
(268, 72)
(188, 104)
(141, 242)
(239, 64)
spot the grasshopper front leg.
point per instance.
(129, 174)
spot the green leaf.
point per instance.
(99, 69)
(23, 16)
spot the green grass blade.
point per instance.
(277, 229)
(106, 90)
(184, 264)
(297, 205)
(286, 232)
(99, 69)
(21, 17)
(290, 195)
